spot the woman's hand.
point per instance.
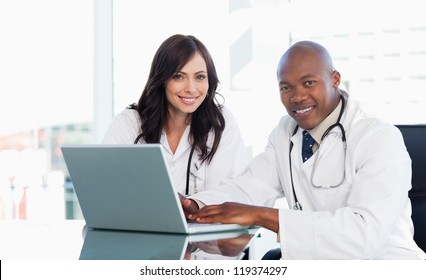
(189, 206)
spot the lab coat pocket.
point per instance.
(328, 175)
(330, 199)
(328, 170)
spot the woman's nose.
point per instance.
(190, 86)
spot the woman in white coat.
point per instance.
(349, 200)
(179, 110)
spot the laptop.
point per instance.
(129, 187)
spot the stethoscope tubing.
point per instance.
(297, 205)
(188, 171)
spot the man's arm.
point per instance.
(236, 213)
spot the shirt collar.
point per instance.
(318, 131)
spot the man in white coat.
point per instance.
(348, 200)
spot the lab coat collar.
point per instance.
(318, 131)
(183, 145)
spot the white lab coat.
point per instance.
(367, 217)
(229, 160)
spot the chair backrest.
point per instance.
(415, 141)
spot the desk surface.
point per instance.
(68, 239)
(28, 240)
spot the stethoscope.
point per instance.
(297, 205)
(188, 169)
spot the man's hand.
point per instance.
(236, 213)
(189, 206)
(227, 213)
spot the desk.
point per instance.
(69, 240)
(29, 240)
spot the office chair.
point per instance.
(415, 141)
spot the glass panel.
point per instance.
(382, 49)
(377, 48)
(46, 90)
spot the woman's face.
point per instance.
(187, 89)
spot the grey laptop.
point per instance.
(129, 187)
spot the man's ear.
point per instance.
(335, 76)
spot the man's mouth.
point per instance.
(303, 111)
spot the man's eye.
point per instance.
(284, 89)
(309, 83)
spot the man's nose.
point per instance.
(298, 95)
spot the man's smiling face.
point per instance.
(308, 86)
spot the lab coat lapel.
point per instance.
(184, 145)
(301, 170)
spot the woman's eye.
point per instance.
(201, 77)
(178, 76)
